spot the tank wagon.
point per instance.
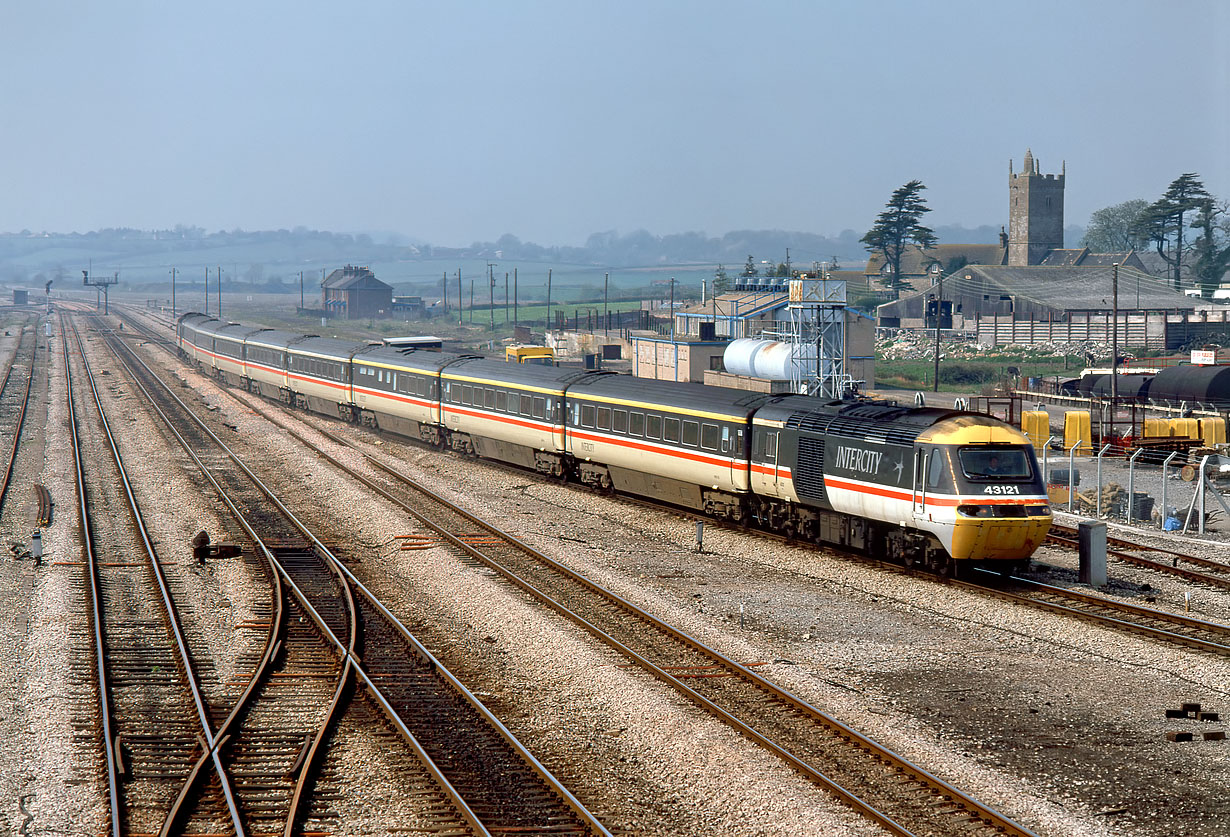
(930, 487)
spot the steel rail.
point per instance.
(21, 415)
(1220, 579)
(100, 656)
(535, 765)
(1178, 620)
(167, 600)
(973, 806)
(373, 689)
(277, 573)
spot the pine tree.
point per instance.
(896, 228)
(1162, 222)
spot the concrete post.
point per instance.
(1165, 468)
(1072, 475)
(1101, 453)
(1132, 485)
(1091, 535)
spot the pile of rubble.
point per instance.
(919, 345)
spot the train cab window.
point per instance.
(691, 433)
(501, 401)
(636, 424)
(619, 421)
(770, 447)
(587, 415)
(709, 436)
(935, 471)
(604, 418)
(527, 403)
(670, 430)
(653, 427)
(540, 407)
(989, 464)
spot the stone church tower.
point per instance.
(1035, 212)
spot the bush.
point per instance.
(966, 374)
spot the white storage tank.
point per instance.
(771, 359)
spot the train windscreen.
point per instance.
(995, 463)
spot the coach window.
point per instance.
(725, 440)
(670, 430)
(489, 398)
(653, 427)
(604, 418)
(587, 415)
(527, 402)
(636, 424)
(709, 436)
(619, 421)
(691, 433)
(540, 407)
(501, 401)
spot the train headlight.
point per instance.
(970, 510)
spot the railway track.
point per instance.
(883, 786)
(1152, 623)
(153, 715)
(1210, 572)
(473, 776)
(14, 399)
(1160, 625)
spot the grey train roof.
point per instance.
(330, 347)
(736, 403)
(422, 361)
(525, 374)
(275, 338)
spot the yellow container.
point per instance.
(1077, 428)
(1185, 428)
(1213, 431)
(1036, 424)
(1155, 428)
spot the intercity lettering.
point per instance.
(858, 459)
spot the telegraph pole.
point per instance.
(219, 292)
(516, 317)
(1114, 348)
(172, 293)
(301, 290)
(206, 290)
(444, 286)
(491, 292)
(506, 297)
(460, 301)
(673, 310)
(548, 299)
(606, 316)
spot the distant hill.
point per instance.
(274, 258)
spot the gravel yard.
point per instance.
(1056, 723)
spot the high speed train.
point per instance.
(926, 486)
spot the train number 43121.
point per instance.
(1002, 489)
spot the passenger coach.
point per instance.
(681, 443)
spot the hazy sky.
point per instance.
(459, 121)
